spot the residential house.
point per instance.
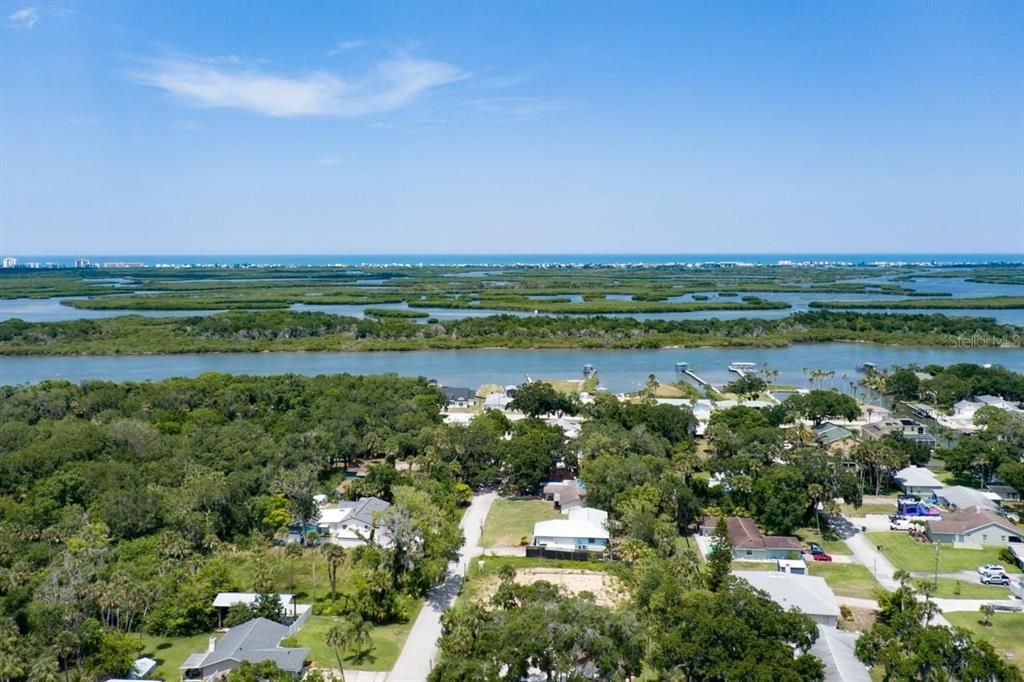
(571, 426)
(835, 648)
(1006, 493)
(998, 403)
(225, 600)
(908, 428)
(585, 528)
(808, 593)
(567, 495)
(748, 542)
(459, 397)
(834, 437)
(497, 401)
(974, 527)
(350, 523)
(255, 641)
(915, 480)
(959, 497)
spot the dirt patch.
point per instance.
(861, 620)
(607, 589)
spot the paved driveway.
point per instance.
(420, 650)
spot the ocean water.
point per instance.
(505, 259)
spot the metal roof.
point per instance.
(809, 593)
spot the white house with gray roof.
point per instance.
(808, 593)
(915, 480)
(350, 524)
(255, 641)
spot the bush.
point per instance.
(844, 611)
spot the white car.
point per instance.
(900, 523)
(990, 568)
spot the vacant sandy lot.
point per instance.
(606, 588)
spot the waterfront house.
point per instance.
(585, 528)
(350, 523)
(915, 480)
(458, 397)
(255, 641)
(748, 542)
(808, 593)
(974, 527)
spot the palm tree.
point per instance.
(337, 639)
(12, 666)
(987, 610)
(44, 670)
(293, 551)
(359, 635)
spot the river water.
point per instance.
(618, 370)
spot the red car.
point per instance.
(822, 557)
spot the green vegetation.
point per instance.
(171, 652)
(846, 580)
(511, 521)
(387, 641)
(908, 555)
(304, 331)
(983, 303)
(949, 588)
(393, 312)
(1006, 632)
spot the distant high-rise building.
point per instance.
(82, 263)
(10, 262)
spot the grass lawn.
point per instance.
(809, 535)
(754, 566)
(1006, 633)
(387, 644)
(968, 589)
(908, 555)
(509, 521)
(171, 652)
(847, 580)
(868, 508)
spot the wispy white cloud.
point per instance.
(343, 46)
(25, 18)
(390, 85)
(328, 160)
(520, 108)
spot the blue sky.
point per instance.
(388, 127)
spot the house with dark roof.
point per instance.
(351, 523)
(833, 436)
(567, 495)
(748, 542)
(458, 397)
(907, 428)
(255, 641)
(974, 527)
(1006, 493)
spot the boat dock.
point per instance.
(684, 368)
(743, 368)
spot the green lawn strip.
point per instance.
(509, 521)
(171, 652)
(869, 508)
(968, 589)
(1006, 633)
(771, 566)
(387, 643)
(908, 555)
(809, 535)
(847, 580)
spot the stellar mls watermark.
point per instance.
(983, 340)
